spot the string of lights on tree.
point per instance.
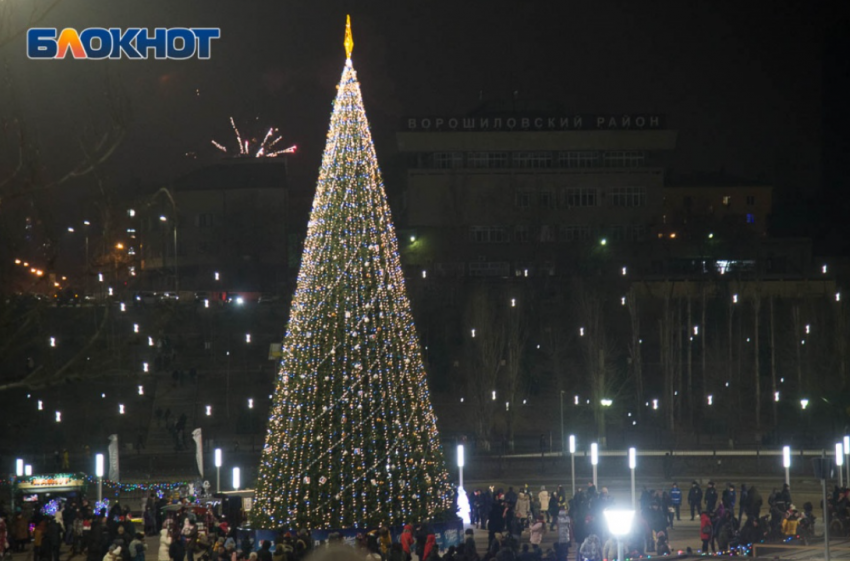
(352, 439)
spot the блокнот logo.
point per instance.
(98, 43)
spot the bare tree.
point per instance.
(485, 349)
(635, 358)
(514, 373)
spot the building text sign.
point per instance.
(639, 121)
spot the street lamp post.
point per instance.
(19, 472)
(786, 463)
(619, 524)
(460, 462)
(839, 462)
(573, 461)
(632, 466)
(847, 458)
(462, 498)
(594, 460)
(218, 470)
(98, 470)
(562, 422)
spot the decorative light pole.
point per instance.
(619, 524)
(462, 498)
(98, 471)
(786, 463)
(460, 462)
(573, 461)
(632, 466)
(218, 470)
(847, 458)
(594, 460)
(19, 472)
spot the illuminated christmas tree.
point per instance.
(352, 440)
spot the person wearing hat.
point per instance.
(695, 498)
(710, 497)
(789, 523)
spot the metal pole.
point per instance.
(620, 545)
(460, 473)
(594, 477)
(787, 477)
(634, 500)
(176, 276)
(563, 440)
(573, 471)
(100, 489)
(218, 479)
(825, 522)
(12, 495)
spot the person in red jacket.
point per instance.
(406, 540)
(706, 529)
(430, 548)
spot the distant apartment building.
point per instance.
(234, 225)
(498, 193)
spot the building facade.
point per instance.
(518, 194)
(235, 225)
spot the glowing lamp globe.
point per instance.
(619, 521)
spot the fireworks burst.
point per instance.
(256, 149)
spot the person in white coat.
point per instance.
(543, 495)
(164, 544)
(114, 553)
(523, 508)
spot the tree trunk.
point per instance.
(637, 366)
(795, 314)
(690, 390)
(756, 377)
(773, 362)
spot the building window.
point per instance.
(532, 159)
(578, 159)
(623, 159)
(635, 233)
(487, 234)
(616, 233)
(447, 160)
(523, 199)
(571, 233)
(546, 199)
(751, 200)
(727, 201)
(627, 196)
(521, 234)
(547, 234)
(751, 218)
(579, 197)
(489, 268)
(488, 160)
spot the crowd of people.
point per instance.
(516, 522)
(78, 530)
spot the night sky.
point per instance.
(742, 81)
